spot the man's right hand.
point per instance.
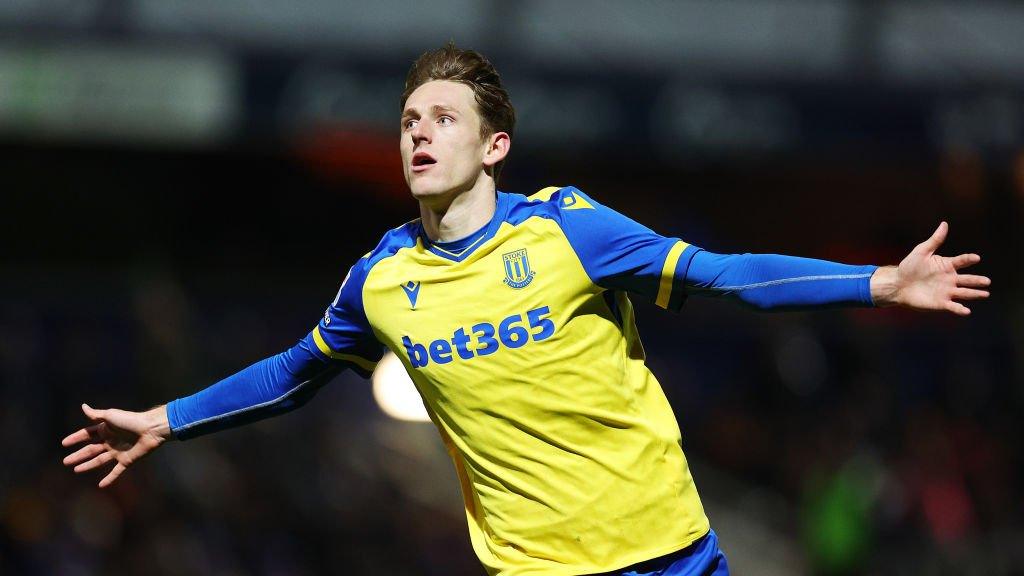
(117, 435)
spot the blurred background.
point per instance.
(184, 185)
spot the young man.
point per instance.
(511, 315)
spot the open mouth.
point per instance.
(422, 161)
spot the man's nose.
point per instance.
(421, 132)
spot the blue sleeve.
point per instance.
(617, 252)
(269, 387)
(775, 282)
(343, 338)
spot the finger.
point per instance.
(965, 260)
(957, 308)
(93, 413)
(972, 281)
(932, 244)
(969, 294)
(84, 454)
(110, 477)
(88, 433)
(95, 462)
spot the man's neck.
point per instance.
(466, 213)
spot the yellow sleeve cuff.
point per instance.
(668, 274)
(324, 349)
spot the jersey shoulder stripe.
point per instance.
(567, 197)
(550, 203)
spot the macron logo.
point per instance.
(412, 290)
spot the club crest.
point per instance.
(517, 269)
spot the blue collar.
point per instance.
(458, 250)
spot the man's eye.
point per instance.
(409, 124)
(445, 121)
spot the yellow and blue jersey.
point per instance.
(522, 342)
(527, 356)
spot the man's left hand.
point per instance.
(926, 281)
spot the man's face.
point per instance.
(442, 150)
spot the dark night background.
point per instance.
(183, 192)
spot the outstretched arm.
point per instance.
(342, 339)
(267, 388)
(923, 280)
(618, 253)
(926, 281)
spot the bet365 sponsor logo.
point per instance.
(482, 339)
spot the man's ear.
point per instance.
(498, 145)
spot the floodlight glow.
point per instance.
(395, 393)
